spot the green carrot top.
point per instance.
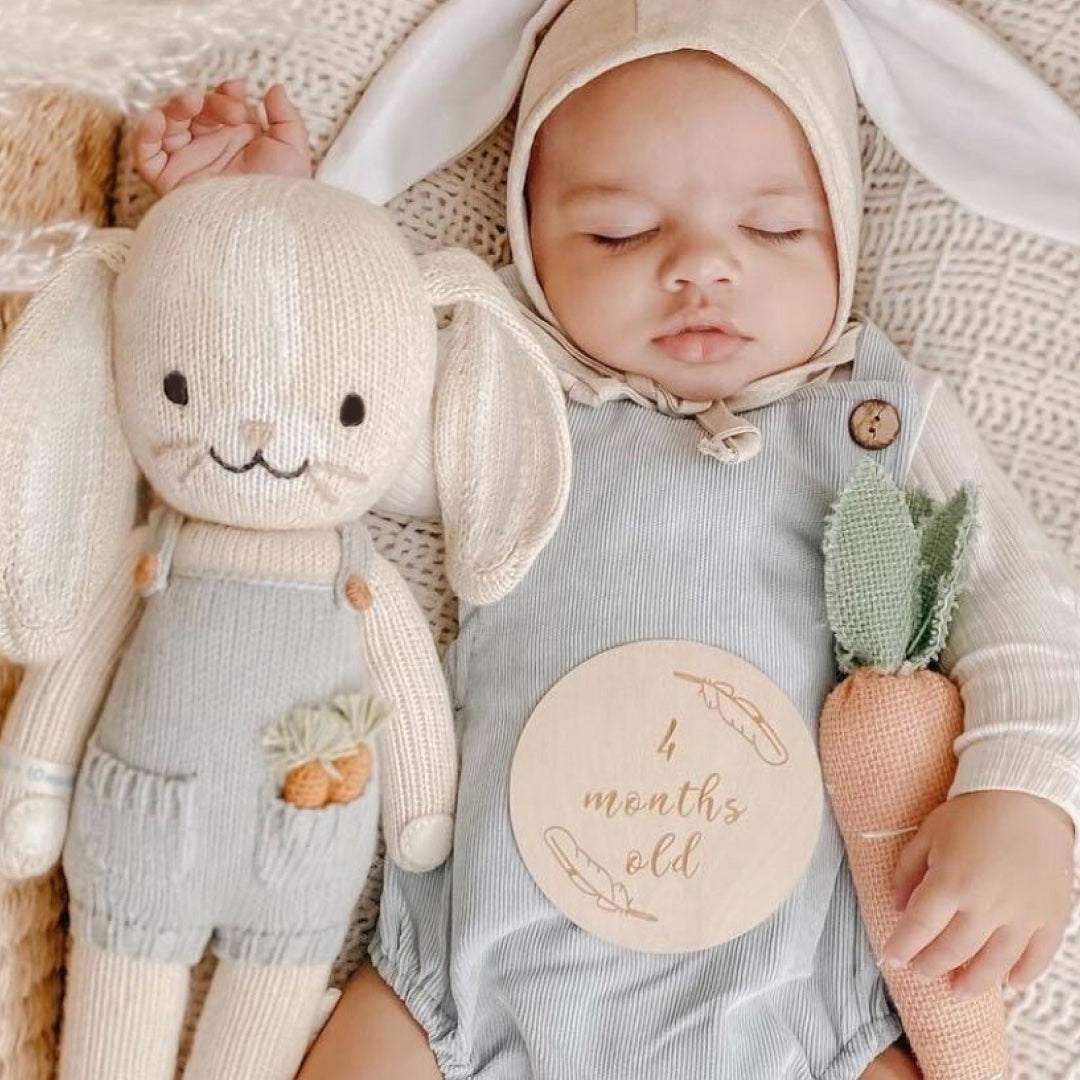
(895, 564)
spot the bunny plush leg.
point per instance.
(257, 1021)
(122, 1016)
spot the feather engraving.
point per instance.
(590, 878)
(741, 715)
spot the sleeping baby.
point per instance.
(684, 208)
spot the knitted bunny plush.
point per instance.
(264, 352)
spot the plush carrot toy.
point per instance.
(894, 564)
(322, 755)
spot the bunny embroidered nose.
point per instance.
(257, 433)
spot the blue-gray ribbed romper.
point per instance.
(658, 541)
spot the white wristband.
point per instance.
(36, 777)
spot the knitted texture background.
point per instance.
(996, 312)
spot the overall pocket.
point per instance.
(131, 823)
(316, 848)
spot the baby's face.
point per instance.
(679, 226)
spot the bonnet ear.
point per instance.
(502, 446)
(954, 101)
(965, 111)
(450, 83)
(67, 479)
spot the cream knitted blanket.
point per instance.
(995, 312)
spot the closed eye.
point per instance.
(788, 237)
(620, 243)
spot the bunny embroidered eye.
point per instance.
(176, 388)
(352, 410)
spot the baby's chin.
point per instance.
(697, 381)
(721, 379)
(702, 382)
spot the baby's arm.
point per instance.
(195, 135)
(987, 880)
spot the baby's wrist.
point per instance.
(1052, 809)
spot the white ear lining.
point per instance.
(449, 85)
(1005, 146)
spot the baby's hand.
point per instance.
(194, 135)
(986, 883)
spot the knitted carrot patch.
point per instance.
(364, 715)
(894, 565)
(323, 755)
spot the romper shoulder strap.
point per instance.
(155, 563)
(877, 359)
(357, 556)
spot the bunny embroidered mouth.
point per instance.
(258, 459)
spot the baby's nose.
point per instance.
(256, 433)
(699, 264)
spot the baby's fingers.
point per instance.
(179, 112)
(283, 119)
(162, 132)
(147, 151)
(930, 910)
(910, 868)
(226, 105)
(990, 965)
(957, 944)
(1037, 956)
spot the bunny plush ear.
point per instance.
(67, 479)
(502, 446)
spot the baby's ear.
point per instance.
(502, 447)
(67, 478)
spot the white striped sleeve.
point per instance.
(1014, 648)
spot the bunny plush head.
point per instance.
(272, 350)
(264, 351)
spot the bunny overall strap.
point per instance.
(178, 832)
(659, 541)
(265, 352)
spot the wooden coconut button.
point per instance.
(874, 424)
(357, 593)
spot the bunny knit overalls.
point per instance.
(658, 542)
(178, 835)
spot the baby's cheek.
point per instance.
(805, 309)
(586, 298)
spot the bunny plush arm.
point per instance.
(48, 723)
(419, 757)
